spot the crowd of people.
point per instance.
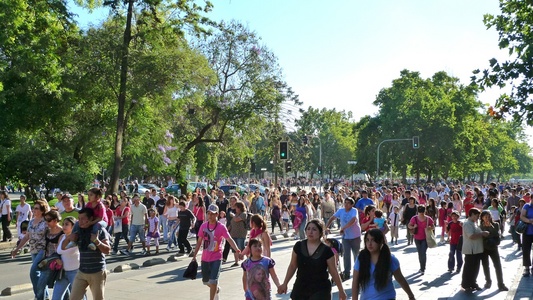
(83, 232)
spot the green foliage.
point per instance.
(514, 26)
(456, 139)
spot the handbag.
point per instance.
(430, 236)
(413, 231)
(191, 271)
(521, 227)
(117, 224)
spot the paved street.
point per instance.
(165, 281)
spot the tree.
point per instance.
(144, 20)
(514, 28)
(248, 90)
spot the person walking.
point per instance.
(312, 256)
(526, 216)
(374, 268)
(472, 250)
(36, 238)
(211, 235)
(5, 208)
(350, 231)
(419, 223)
(122, 213)
(490, 249)
(92, 270)
(139, 219)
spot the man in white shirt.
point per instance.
(139, 219)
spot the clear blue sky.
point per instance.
(340, 53)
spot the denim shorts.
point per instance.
(210, 271)
(137, 229)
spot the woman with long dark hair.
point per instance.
(490, 249)
(374, 268)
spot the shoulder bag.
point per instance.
(430, 236)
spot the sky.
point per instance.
(341, 53)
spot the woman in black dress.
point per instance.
(312, 259)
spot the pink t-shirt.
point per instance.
(213, 237)
(421, 232)
(99, 210)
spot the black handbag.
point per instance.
(192, 270)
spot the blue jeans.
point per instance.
(421, 248)
(63, 287)
(351, 246)
(137, 229)
(301, 229)
(163, 222)
(455, 253)
(35, 273)
(173, 228)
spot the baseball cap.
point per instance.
(213, 208)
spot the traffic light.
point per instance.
(252, 167)
(288, 166)
(283, 150)
(319, 170)
(416, 145)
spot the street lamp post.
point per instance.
(385, 141)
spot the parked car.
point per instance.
(232, 188)
(152, 186)
(191, 186)
(173, 189)
(142, 188)
(254, 187)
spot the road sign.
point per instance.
(352, 162)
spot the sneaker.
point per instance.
(143, 252)
(147, 253)
(71, 244)
(235, 265)
(167, 248)
(488, 284)
(181, 253)
(125, 252)
(92, 246)
(450, 270)
(114, 252)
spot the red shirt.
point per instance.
(455, 230)
(118, 213)
(98, 210)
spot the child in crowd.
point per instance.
(380, 222)
(255, 278)
(449, 211)
(394, 219)
(442, 220)
(153, 231)
(454, 229)
(336, 247)
(99, 219)
(222, 218)
(285, 217)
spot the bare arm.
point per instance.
(355, 285)
(274, 277)
(21, 244)
(291, 269)
(244, 284)
(403, 283)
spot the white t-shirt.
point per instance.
(24, 212)
(60, 207)
(5, 204)
(70, 257)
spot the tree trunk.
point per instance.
(121, 115)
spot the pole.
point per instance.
(384, 141)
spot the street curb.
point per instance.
(126, 267)
(16, 289)
(153, 262)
